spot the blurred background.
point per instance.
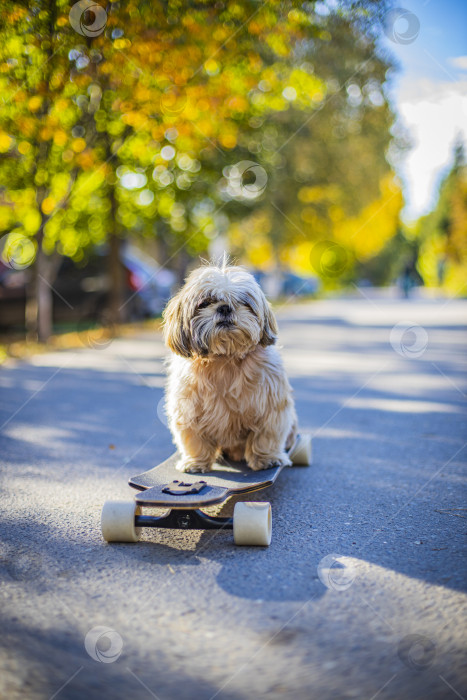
(321, 144)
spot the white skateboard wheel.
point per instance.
(301, 452)
(252, 523)
(118, 521)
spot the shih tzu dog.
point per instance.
(227, 390)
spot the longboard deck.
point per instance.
(226, 479)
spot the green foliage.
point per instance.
(137, 129)
(442, 234)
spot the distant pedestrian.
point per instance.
(410, 277)
(441, 270)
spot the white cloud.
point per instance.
(435, 114)
(459, 62)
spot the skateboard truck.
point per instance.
(184, 502)
(179, 488)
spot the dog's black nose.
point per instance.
(224, 310)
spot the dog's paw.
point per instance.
(234, 454)
(258, 463)
(192, 467)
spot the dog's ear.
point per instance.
(175, 332)
(270, 330)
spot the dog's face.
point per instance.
(219, 311)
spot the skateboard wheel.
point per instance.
(300, 454)
(118, 521)
(252, 523)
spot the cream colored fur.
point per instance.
(227, 389)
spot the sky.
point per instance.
(429, 92)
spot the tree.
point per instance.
(138, 122)
(323, 144)
(98, 111)
(442, 234)
(37, 119)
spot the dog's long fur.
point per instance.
(227, 388)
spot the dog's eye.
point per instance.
(204, 303)
(245, 301)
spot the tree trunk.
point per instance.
(31, 310)
(117, 310)
(44, 298)
(39, 304)
(182, 261)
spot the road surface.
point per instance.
(362, 591)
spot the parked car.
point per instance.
(81, 293)
(152, 283)
(295, 285)
(286, 284)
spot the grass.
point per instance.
(15, 346)
(20, 348)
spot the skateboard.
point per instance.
(185, 495)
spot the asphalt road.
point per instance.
(362, 591)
